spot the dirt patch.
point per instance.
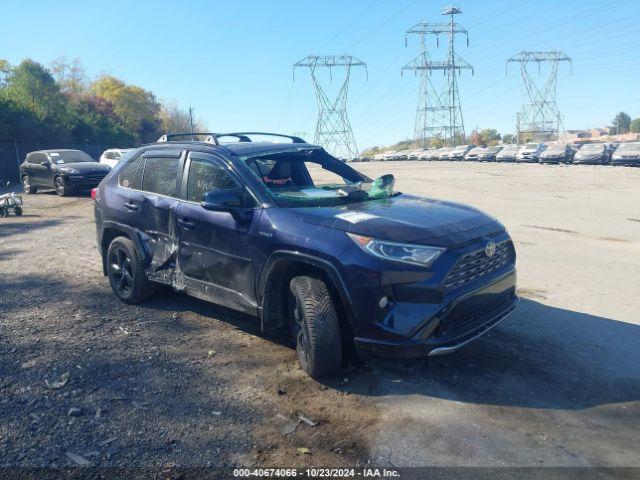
(179, 382)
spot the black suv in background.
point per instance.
(63, 170)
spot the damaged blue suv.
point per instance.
(308, 245)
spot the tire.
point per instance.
(60, 186)
(126, 273)
(17, 211)
(315, 326)
(26, 185)
(3, 212)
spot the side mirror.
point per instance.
(45, 163)
(226, 200)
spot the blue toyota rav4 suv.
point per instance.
(299, 239)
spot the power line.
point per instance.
(540, 118)
(439, 114)
(333, 129)
(383, 24)
(352, 22)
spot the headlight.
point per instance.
(68, 170)
(400, 252)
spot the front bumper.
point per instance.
(448, 326)
(78, 182)
(559, 159)
(629, 162)
(589, 160)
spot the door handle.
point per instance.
(186, 223)
(132, 207)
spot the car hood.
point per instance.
(406, 218)
(86, 167)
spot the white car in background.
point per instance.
(112, 156)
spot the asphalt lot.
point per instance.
(178, 382)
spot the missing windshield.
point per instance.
(314, 178)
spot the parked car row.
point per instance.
(65, 170)
(591, 153)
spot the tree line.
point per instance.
(60, 105)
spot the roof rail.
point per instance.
(211, 137)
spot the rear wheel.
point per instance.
(26, 185)
(315, 326)
(126, 273)
(61, 186)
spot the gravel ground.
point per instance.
(179, 382)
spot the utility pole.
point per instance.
(333, 129)
(191, 109)
(539, 120)
(438, 114)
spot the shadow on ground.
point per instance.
(540, 357)
(10, 226)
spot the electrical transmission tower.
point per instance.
(333, 130)
(540, 118)
(439, 114)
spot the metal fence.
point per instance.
(12, 154)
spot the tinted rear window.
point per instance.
(69, 156)
(131, 175)
(160, 176)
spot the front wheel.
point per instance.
(27, 187)
(61, 186)
(315, 326)
(126, 273)
(17, 211)
(3, 212)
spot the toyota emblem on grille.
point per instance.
(490, 249)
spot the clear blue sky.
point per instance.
(232, 60)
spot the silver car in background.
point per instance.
(474, 154)
(488, 154)
(627, 154)
(458, 153)
(508, 153)
(444, 153)
(530, 152)
(593, 154)
(557, 154)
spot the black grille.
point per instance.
(476, 264)
(97, 176)
(464, 319)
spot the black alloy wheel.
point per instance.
(120, 271)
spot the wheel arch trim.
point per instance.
(128, 232)
(283, 256)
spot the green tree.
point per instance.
(5, 71)
(508, 138)
(635, 125)
(31, 85)
(621, 123)
(490, 136)
(137, 109)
